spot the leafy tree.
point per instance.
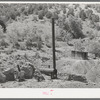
(73, 26)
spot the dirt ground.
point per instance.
(57, 83)
(64, 65)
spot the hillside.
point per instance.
(26, 45)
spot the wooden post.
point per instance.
(53, 43)
(53, 49)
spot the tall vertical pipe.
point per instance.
(53, 43)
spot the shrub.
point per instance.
(87, 6)
(48, 14)
(70, 12)
(30, 9)
(97, 26)
(94, 48)
(64, 11)
(22, 45)
(82, 15)
(55, 15)
(3, 43)
(17, 31)
(29, 44)
(41, 15)
(40, 7)
(90, 35)
(22, 9)
(25, 12)
(37, 44)
(78, 45)
(35, 18)
(98, 8)
(4, 18)
(16, 45)
(62, 35)
(88, 13)
(74, 27)
(17, 13)
(94, 18)
(50, 6)
(35, 12)
(76, 6)
(60, 22)
(2, 23)
(12, 15)
(45, 11)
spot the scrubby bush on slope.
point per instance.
(97, 7)
(49, 15)
(82, 15)
(91, 16)
(88, 12)
(22, 9)
(74, 27)
(3, 43)
(64, 11)
(95, 48)
(62, 35)
(24, 34)
(97, 26)
(30, 9)
(94, 18)
(70, 12)
(41, 14)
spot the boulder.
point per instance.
(2, 78)
(93, 75)
(38, 76)
(9, 73)
(29, 69)
(77, 78)
(82, 66)
(19, 76)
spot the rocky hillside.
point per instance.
(26, 46)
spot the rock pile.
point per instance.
(29, 70)
(77, 78)
(90, 69)
(2, 78)
(9, 73)
(18, 69)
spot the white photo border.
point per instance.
(57, 92)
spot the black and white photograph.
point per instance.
(49, 45)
